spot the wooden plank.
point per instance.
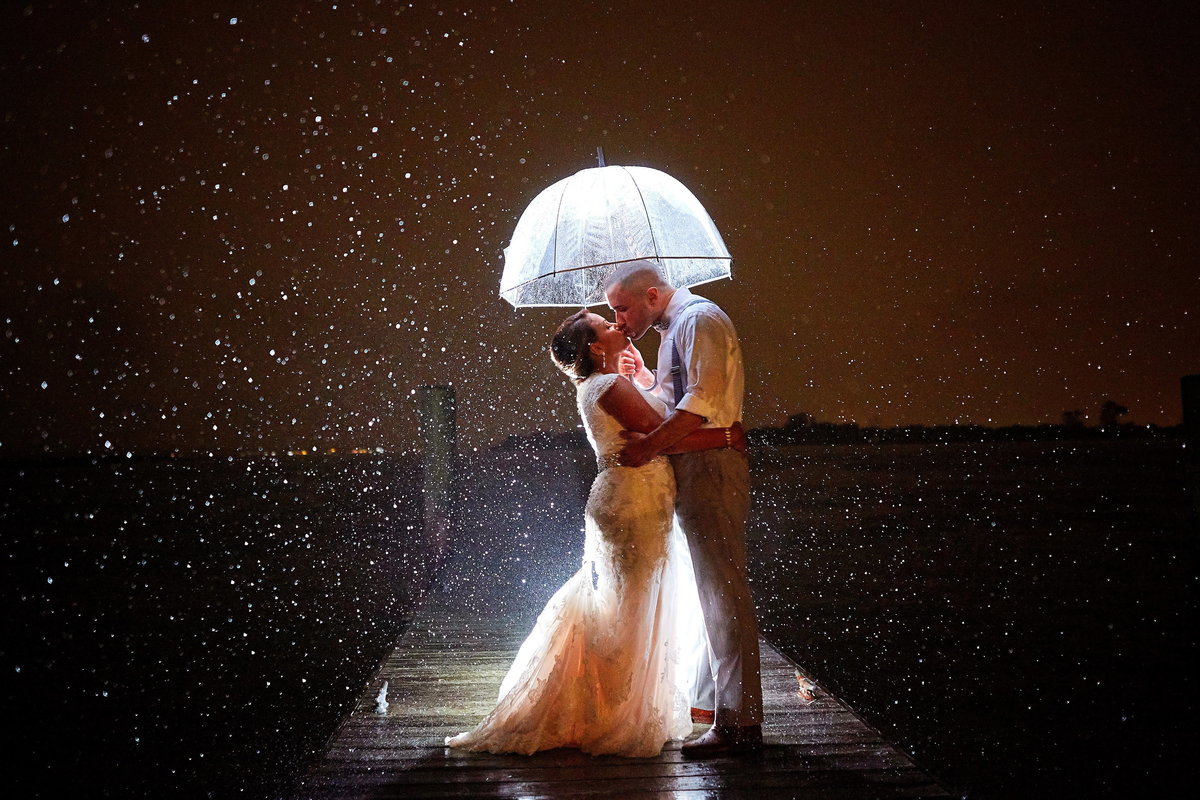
(729, 783)
(443, 677)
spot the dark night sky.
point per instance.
(259, 225)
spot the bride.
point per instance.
(608, 665)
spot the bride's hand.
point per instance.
(630, 362)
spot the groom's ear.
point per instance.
(652, 295)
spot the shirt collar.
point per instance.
(678, 300)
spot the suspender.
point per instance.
(678, 371)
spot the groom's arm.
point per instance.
(672, 429)
(628, 408)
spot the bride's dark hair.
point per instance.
(569, 347)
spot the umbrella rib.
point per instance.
(646, 211)
(557, 218)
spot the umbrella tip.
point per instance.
(600, 157)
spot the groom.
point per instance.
(700, 378)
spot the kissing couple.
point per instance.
(657, 629)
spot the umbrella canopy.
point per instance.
(576, 232)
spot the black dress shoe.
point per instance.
(724, 740)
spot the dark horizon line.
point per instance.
(810, 433)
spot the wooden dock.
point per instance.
(517, 538)
(443, 676)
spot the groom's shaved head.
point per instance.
(638, 294)
(636, 276)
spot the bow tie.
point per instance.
(662, 325)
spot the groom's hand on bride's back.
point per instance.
(633, 454)
(737, 437)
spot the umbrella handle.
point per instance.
(600, 157)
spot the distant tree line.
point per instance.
(804, 428)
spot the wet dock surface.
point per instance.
(443, 676)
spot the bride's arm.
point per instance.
(630, 409)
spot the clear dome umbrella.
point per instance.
(576, 232)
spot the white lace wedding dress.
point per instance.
(608, 665)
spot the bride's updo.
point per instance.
(569, 347)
